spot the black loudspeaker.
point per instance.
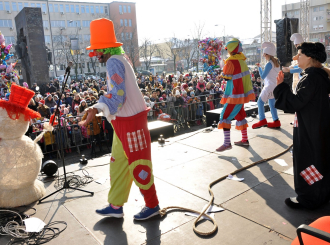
(284, 46)
(49, 168)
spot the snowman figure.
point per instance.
(20, 157)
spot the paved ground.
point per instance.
(255, 212)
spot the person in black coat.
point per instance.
(311, 132)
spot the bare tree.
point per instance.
(174, 49)
(197, 35)
(147, 50)
(131, 47)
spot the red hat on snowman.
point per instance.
(18, 102)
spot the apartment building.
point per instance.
(67, 20)
(319, 13)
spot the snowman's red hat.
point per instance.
(18, 102)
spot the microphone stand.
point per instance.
(59, 130)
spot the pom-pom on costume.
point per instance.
(124, 107)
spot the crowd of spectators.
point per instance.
(181, 97)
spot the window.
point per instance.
(51, 8)
(7, 7)
(101, 9)
(97, 9)
(131, 35)
(38, 5)
(92, 9)
(20, 6)
(86, 23)
(125, 22)
(72, 8)
(75, 23)
(122, 36)
(320, 27)
(87, 8)
(315, 27)
(45, 23)
(55, 8)
(124, 9)
(82, 9)
(6, 23)
(77, 8)
(44, 8)
(128, 9)
(314, 18)
(57, 23)
(296, 13)
(120, 9)
(47, 39)
(315, 9)
(127, 35)
(67, 8)
(322, 8)
(1, 5)
(26, 4)
(321, 17)
(61, 8)
(10, 39)
(106, 9)
(130, 22)
(87, 37)
(14, 6)
(33, 4)
(121, 22)
(62, 67)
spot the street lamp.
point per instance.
(51, 37)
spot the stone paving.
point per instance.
(255, 212)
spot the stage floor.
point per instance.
(254, 213)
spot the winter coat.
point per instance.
(95, 130)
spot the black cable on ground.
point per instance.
(74, 180)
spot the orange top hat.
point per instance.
(19, 100)
(103, 35)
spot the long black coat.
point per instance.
(311, 138)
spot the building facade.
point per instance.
(64, 21)
(319, 22)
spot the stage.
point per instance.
(254, 213)
(250, 108)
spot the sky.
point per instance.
(159, 20)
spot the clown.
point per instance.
(269, 75)
(124, 107)
(238, 91)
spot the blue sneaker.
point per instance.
(147, 213)
(110, 212)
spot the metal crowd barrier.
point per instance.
(72, 137)
(187, 115)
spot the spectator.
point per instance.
(43, 109)
(76, 101)
(49, 101)
(81, 110)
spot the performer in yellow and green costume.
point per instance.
(238, 91)
(124, 107)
